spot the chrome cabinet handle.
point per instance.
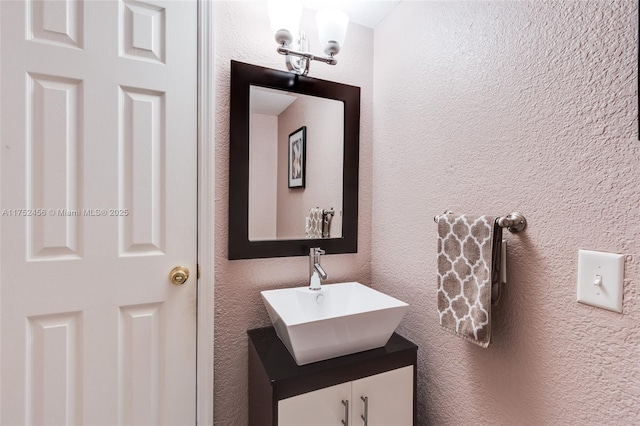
(365, 416)
(345, 402)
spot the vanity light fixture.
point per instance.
(285, 21)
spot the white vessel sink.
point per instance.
(339, 319)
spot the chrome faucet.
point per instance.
(315, 268)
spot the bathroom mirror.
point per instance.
(294, 145)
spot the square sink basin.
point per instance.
(339, 319)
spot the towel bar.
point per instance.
(514, 222)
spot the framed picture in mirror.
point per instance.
(297, 157)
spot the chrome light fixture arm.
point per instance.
(283, 50)
(299, 61)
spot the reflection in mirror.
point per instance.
(314, 209)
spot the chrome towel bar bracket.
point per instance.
(514, 222)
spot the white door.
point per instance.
(389, 398)
(98, 200)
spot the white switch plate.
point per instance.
(609, 268)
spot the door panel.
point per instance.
(140, 363)
(142, 174)
(98, 199)
(54, 379)
(53, 160)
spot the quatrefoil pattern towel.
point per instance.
(313, 223)
(465, 245)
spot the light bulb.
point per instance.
(285, 15)
(332, 29)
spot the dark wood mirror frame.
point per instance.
(243, 76)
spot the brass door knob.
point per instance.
(179, 275)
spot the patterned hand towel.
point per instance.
(313, 223)
(468, 262)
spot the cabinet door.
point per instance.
(390, 398)
(318, 408)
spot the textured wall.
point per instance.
(242, 33)
(489, 107)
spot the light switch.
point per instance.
(600, 278)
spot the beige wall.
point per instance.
(323, 186)
(480, 107)
(263, 177)
(489, 107)
(242, 33)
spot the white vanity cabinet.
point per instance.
(331, 392)
(321, 407)
(380, 400)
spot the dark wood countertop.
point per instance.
(280, 365)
